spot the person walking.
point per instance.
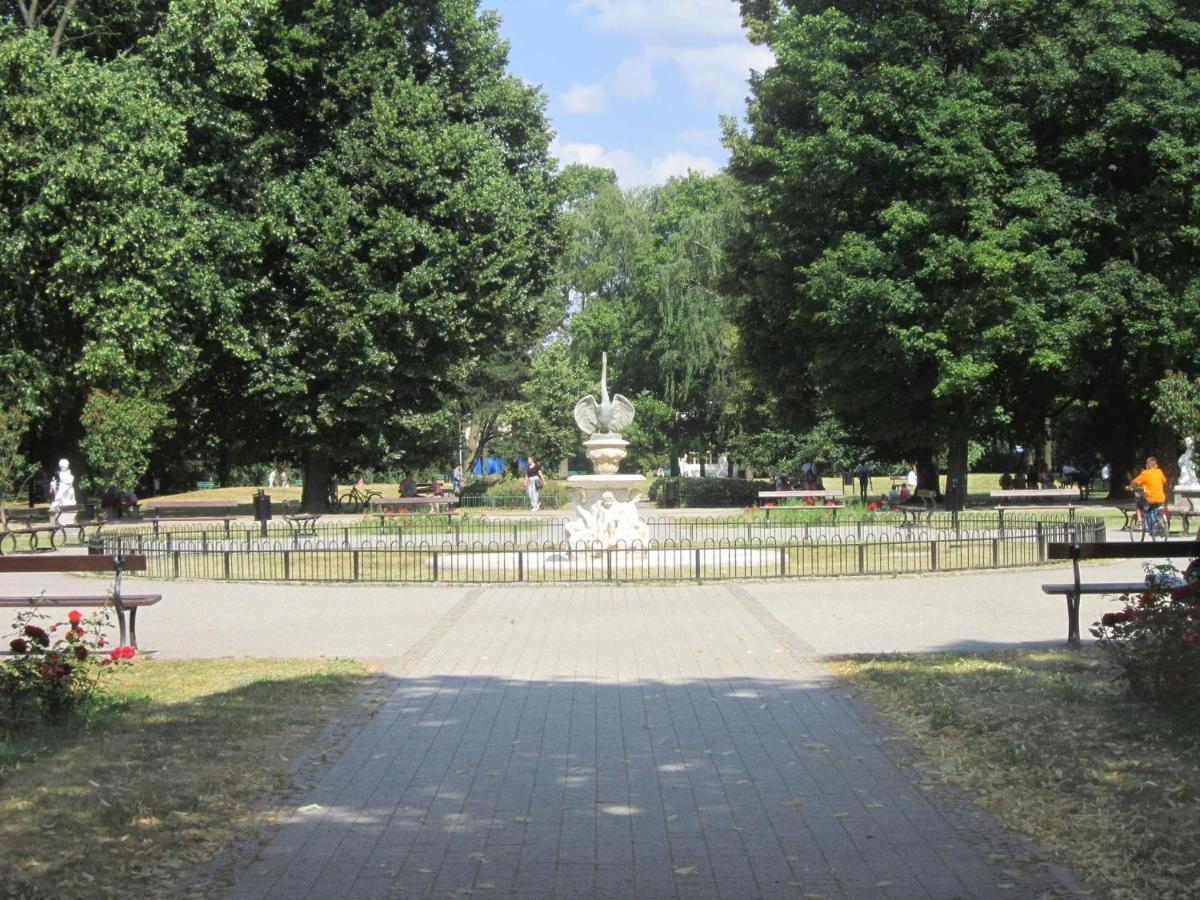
(283, 482)
(271, 478)
(533, 481)
(864, 478)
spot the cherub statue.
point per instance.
(608, 416)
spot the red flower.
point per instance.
(37, 635)
(1145, 600)
(81, 652)
(1108, 620)
(75, 617)
(101, 641)
(19, 645)
(123, 653)
(1191, 638)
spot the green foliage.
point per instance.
(509, 493)
(709, 492)
(118, 435)
(988, 205)
(48, 678)
(14, 425)
(1155, 640)
(541, 419)
(1177, 403)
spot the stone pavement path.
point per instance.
(649, 742)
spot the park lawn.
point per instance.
(1056, 750)
(174, 765)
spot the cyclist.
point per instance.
(1151, 483)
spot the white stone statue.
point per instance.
(608, 523)
(609, 416)
(64, 487)
(1187, 465)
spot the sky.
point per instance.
(637, 86)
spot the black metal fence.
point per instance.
(536, 550)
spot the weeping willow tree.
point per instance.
(643, 268)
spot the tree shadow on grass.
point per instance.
(150, 785)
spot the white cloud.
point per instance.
(634, 78)
(719, 73)
(583, 99)
(699, 136)
(632, 171)
(662, 19)
(680, 162)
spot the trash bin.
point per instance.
(262, 509)
(671, 494)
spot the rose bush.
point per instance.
(50, 677)
(1155, 639)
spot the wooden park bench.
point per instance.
(205, 485)
(32, 524)
(1100, 550)
(1043, 494)
(224, 511)
(117, 565)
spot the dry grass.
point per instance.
(166, 774)
(1050, 744)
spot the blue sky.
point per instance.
(634, 85)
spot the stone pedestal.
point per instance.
(586, 489)
(1188, 495)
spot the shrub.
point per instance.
(725, 492)
(509, 493)
(50, 676)
(1155, 639)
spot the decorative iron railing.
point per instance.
(423, 549)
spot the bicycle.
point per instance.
(1155, 522)
(355, 500)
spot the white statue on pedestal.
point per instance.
(64, 487)
(1187, 465)
(607, 524)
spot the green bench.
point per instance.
(205, 485)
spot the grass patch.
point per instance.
(164, 775)
(1055, 748)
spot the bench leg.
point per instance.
(1073, 620)
(133, 628)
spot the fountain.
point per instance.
(612, 517)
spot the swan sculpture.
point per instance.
(608, 416)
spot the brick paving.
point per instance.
(643, 742)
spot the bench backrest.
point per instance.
(1128, 550)
(60, 563)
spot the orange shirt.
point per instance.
(1154, 483)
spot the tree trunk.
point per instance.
(317, 468)
(956, 469)
(927, 473)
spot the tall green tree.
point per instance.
(643, 269)
(906, 264)
(964, 215)
(409, 223)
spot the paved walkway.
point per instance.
(658, 741)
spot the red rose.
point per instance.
(101, 641)
(74, 617)
(19, 645)
(81, 652)
(37, 635)
(1108, 620)
(123, 653)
